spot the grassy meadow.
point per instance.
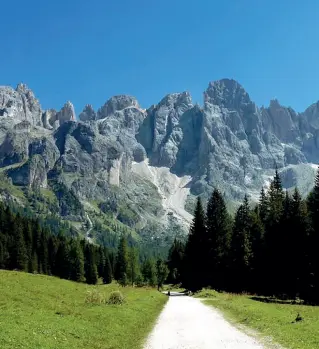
(41, 312)
(272, 320)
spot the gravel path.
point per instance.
(186, 323)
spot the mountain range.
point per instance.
(141, 169)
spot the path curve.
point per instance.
(187, 323)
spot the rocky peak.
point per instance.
(20, 105)
(311, 116)
(117, 103)
(226, 94)
(176, 99)
(88, 113)
(67, 113)
(281, 121)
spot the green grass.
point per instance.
(47, 193)
(38, 311)
(270, 319)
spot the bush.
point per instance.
(93, 296)
(116, 298)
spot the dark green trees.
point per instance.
(216, 242)
(107, 271)
(193, 272)
(77, 262)
(161, 273)
(271, 248)
(121, 267)
(175, 262)
(149, 272)
(241, 248)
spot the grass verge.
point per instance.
(38, 311)
(271, 320)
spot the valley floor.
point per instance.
(186, 323)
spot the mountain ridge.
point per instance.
(229, 143)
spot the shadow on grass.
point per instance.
(276, 300)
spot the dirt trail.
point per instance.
(187, 323)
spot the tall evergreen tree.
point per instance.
(19, 255)
(257, 231)
(193, 270)
(161, 273)
(273, 235)
(217, 242)
(90, 266)
(77, 261)
(133, 269)
(175, 261)
(312, 288)
(121, 267)
(149, 272)
(241, 253)
(107, 271)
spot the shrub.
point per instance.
(93, 296)
(116, 298)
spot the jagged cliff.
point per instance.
(145, 166)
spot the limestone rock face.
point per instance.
(20, 105)
(88, 114)
(118, 154)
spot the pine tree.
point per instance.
(149, 272)
(311, 292)
(297, 246)
(63, 259)
(91, 274)
(273, 236)
(217, 242)
(193, 273)
(19, 255)
(133, 265)
(100, 261)
(257, 231)
(161, 273)
(263, 206)
(76, 262)
(175, 262)
(121, 267)
(240, 253)
(107, 271)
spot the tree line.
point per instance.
(268, 249)
(27, 245)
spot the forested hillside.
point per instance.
(27, 244)
(269, 249)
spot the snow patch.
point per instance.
(172, 189)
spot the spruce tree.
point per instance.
(121, 267)
(175, 262)
(107, 271)
(241, 253)
(311, 292)
(91, 274)
(149, 272)
(273, 236)
(193, 268)
(133, 265)
(297, 246)
(76, 261)
(19, 255)
(257, 231)
(216, 242)
(161, 273)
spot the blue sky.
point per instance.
(87, 51)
